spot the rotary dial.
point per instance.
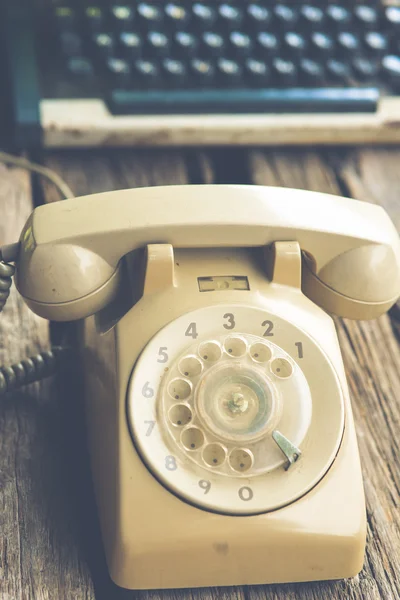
(235, 409)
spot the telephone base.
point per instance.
(167, 521)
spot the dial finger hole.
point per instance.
(190, 366)
(179, 389)
(235, 346)
(180, 415)
(260, 352)
(281, 368)
(214, 455)
(192, 438)
(241, 460)
(210, 351)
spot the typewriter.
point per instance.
(128, 72)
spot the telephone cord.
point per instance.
(19, 161)
(6, 274)
(44, 364)
(34, 368)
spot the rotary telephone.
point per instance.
(222, 440)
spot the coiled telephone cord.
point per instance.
(46, 363)
(36, 367)
(6, 273)
(31, 369)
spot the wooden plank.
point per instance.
(39, 557)
(371, 356)
(293, 168)
(90, 172)
(373, 175)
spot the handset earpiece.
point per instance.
(361, 283)
(63, 281)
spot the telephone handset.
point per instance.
(222, 441)
(70, 252)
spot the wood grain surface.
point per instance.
(50, 545)
(39, 554)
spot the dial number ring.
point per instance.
(230, 465)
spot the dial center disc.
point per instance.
(236, 403)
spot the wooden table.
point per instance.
(50, 545)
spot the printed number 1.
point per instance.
(299, 347)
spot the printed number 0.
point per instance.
(191, 331)
(231, 321)
(269, 325)
(245, 494)
(170, 463)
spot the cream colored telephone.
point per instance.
(222, 440)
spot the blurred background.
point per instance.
(118, 72)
